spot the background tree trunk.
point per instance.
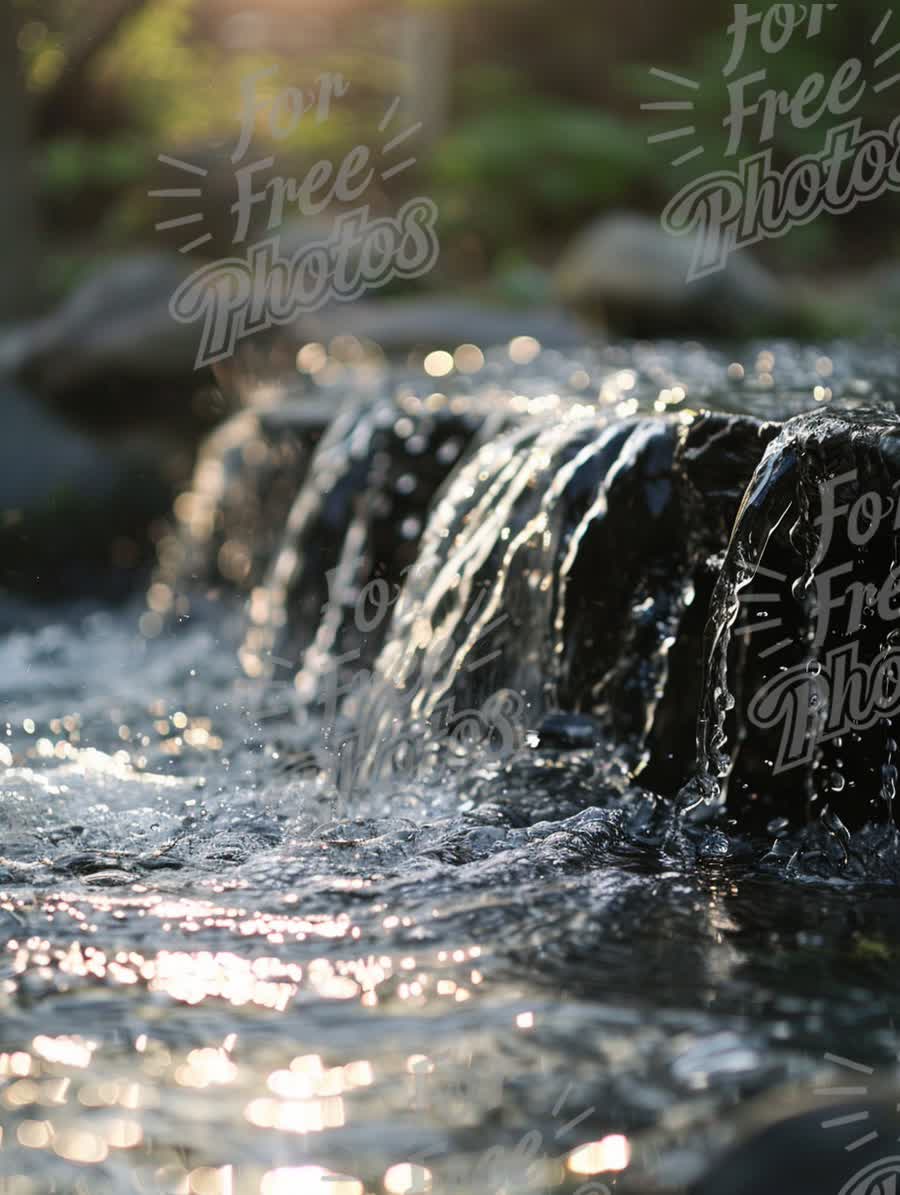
(100, 21)
(19, 244)
(426, 46)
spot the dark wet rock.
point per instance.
(246, 479)
(85, 862)
(457, 569)
(529, 523)
(613, 634)
(73, 513)
(801, 693)
(626, 270)
(112, 356)
(714, 462)
(160, 863)
(108, 879)
(717, 456)
(630, 540)
(800, 1156)
(567, 732)
(591, 596)
(352, 534)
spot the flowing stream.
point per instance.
(426, 828)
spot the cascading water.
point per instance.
(454, 568)
(372, 859)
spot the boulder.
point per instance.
(112, 356)
(802, 686)
(73, 513)
(625, 270)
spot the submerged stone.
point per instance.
(803, 1156)
(568, 732)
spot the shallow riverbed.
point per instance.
(211, 982)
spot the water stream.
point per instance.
(421, 829)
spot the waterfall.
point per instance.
(427, 576)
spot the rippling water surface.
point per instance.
(223, 975)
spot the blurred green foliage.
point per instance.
(70, 163)
(522, 163)
(533, 165)
(846, 32)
